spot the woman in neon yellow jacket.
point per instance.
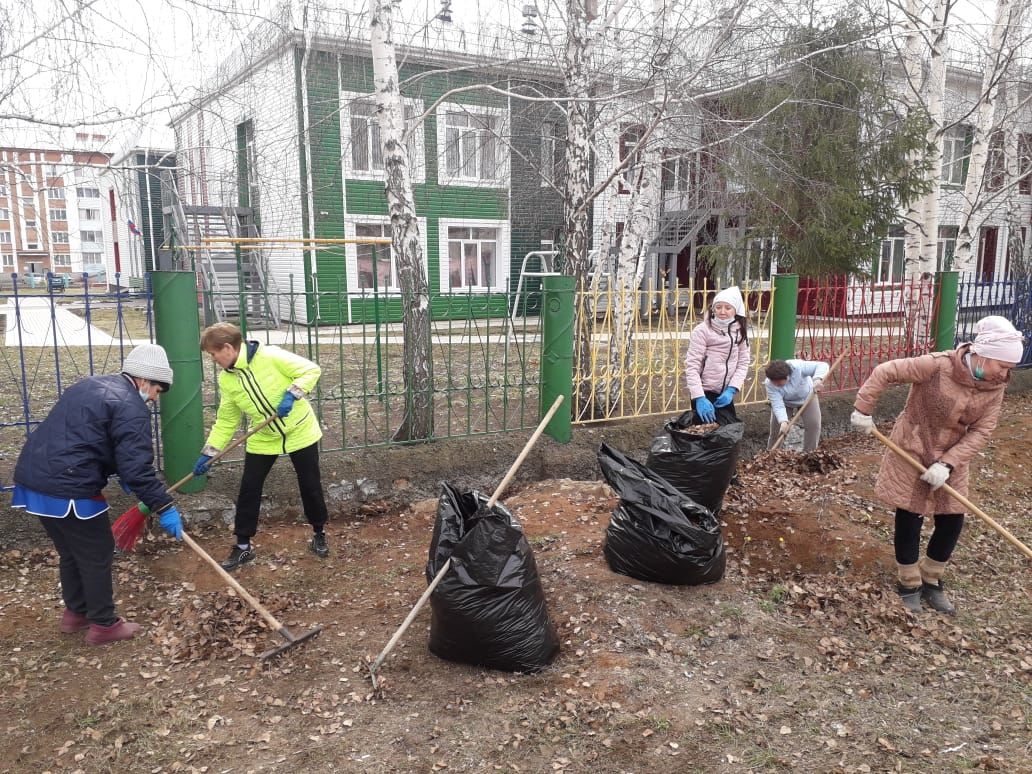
(260, 381)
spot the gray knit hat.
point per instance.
(148, 361)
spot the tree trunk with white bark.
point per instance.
(418, 421)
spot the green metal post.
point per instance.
(557, 353)
(946, 285)
(178, 330)
(240, 288)
(783, 324)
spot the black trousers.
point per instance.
(256, 470)
(86, 549)
(907, 537)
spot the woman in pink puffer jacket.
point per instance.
(718, 359)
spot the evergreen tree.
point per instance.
(828, 166)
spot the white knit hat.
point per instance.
(733, 296)
(148, 361)
(998, 339)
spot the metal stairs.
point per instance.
(228, 283)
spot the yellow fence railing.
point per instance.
(649, 380)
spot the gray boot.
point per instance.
(935, 595)
(911, 597)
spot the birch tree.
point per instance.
(418, 422)
(998, 56)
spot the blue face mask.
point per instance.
(978, 372)
(145, 395)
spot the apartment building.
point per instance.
(52, 210)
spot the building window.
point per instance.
(471, 137)
(1025, 163)
(472, 257)
(363, 129)
(8, 260)
(677, 171)
(90, 237)
(59, 237)
(384, 269)
(52, 170)
(548, 150)
(5, 214)
(30, 223)
(62, 261)
(90, 214)
(87, 192)
(946, 248)
(3, 190)
(59, 214)
(91, 259)
(891, 259)
(32, 246)
(994, 164)
(56, 193)
(956, 145)
(27, 203)
(5, 237)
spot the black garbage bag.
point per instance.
(489, 610)
(656, 533)
(700, 466)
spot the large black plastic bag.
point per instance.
(656, 533)
(700, 466)
(489, 610)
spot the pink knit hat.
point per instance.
(996, 338)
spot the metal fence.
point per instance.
(1008, 298)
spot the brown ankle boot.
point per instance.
(119, 630)
(911, 597)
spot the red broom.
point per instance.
(128, 527)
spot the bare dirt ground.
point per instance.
(799, 659)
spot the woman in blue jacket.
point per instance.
(100, 427)
(788, 384)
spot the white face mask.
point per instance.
(144, 395)
(722, 323)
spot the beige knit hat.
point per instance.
(148, 361)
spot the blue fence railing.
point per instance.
(1008, 298)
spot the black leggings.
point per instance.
(309, 482)
(907, 539)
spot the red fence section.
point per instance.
(872, 322)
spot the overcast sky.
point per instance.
(143, 57)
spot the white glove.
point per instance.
(936, 475)
(861, 422)
(784, 427)
(818, 385)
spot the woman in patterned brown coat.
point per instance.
(952, 409)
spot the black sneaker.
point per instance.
(318, 545)
(237, 557)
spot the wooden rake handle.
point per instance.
(261, 426)
(445, 567)
(957, 496)
(270, 619)
(809, 399)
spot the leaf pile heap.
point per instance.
(214, 626)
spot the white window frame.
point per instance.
(52, 170)
(443, 176)
(3, 189)
(89, 213)
(5, 238)
(97, 237)
(59, 237)
(7, 260)
(351, 252)
(549, 146)
(897, 252)
(87, 192)
(416, 142)
(62, 260)
(30, 223)
(57, 192)
(5, 214)
(954, 145)
(502, 257)
(63, 216)
(946, 246)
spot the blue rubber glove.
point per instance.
(725, 398)
(201, 467)
(285, 405)
(707, 413)
(171, 522)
